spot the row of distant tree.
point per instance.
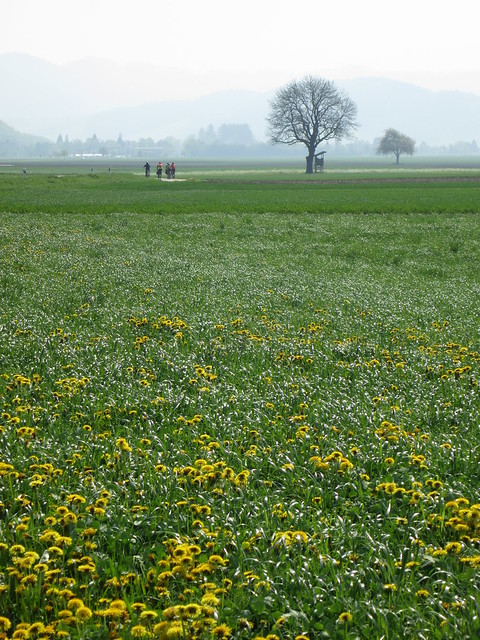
(211, 143)
(233, 140)
(206, 144)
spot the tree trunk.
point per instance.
(309, 160)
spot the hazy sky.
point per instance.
(432, 42)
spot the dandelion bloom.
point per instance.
(5, 623)
(175, 630)
(69, 518)
(83, 613)
(160, 628)
(210, 599)
(217, 560)
(345, 617)
(299, 537)
(123, 445)
(192, 610)
(148, 615)
(453, 547)
(36, 628)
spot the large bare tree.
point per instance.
(310, 111)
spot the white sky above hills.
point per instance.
(258, 44)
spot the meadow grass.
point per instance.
(255, 192)
(232, 409)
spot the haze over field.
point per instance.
(94, 67)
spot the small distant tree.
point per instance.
(310, 111)
(395, 142)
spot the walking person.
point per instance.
(146, 166)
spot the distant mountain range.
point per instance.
(103, 98)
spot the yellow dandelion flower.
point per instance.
(75, 498)
(17, 550)
(217, 560)
(345, 617)
(299, 537)
(123, 445)
(194, 549)
(36, 628)
(242, 477)
(29, 579)
(83, 613)
(171, 613)
(222, 631)
(210, 600)
(148, 615)
(74, 603)
(175, 630)
(160, 628)
(453, 547)
(139, 631)
(5, 623)
(113, 613)
(70, 518)
(118, 604)
(192, 610)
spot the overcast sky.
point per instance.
(432, 42)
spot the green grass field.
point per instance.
(241, 405)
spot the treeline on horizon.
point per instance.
(228, 141)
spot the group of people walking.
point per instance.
(169, 170)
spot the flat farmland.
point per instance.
(241, 404)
